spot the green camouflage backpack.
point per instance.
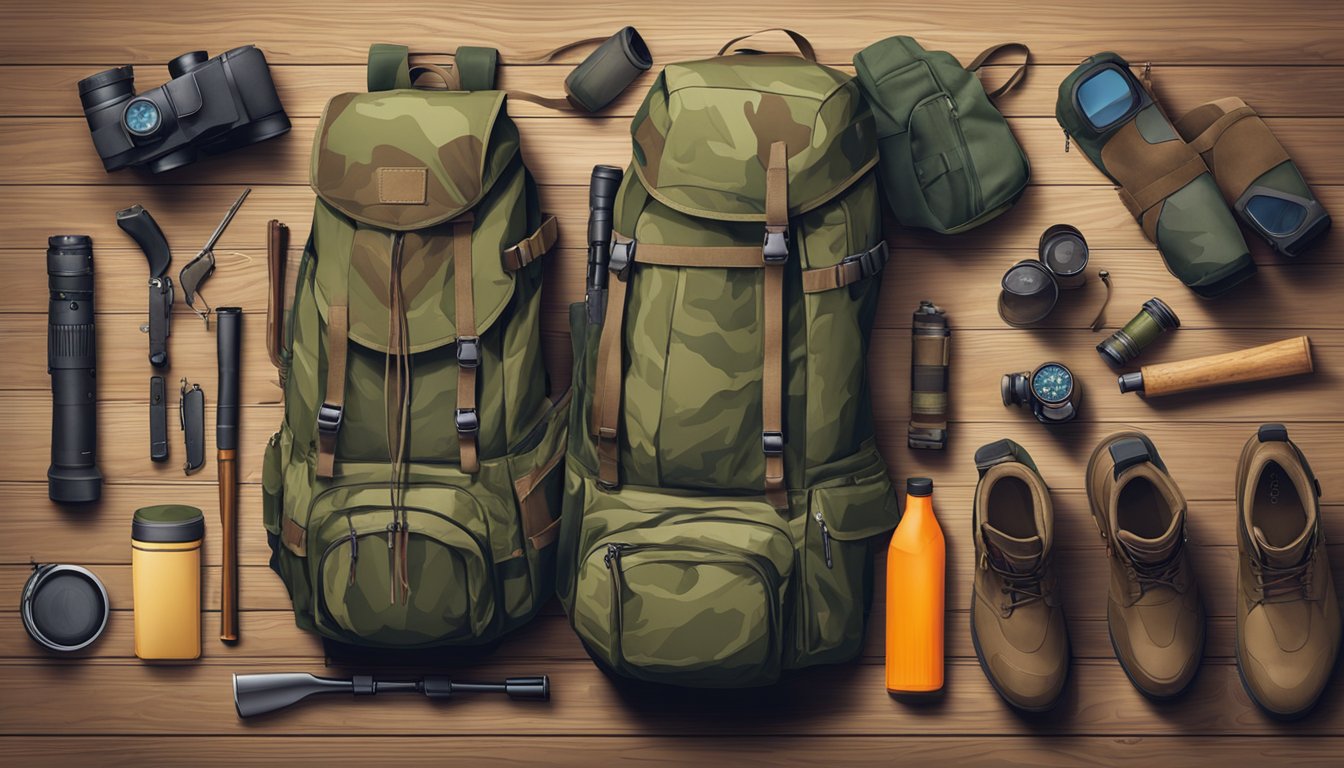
(410, 493)
(723, 479)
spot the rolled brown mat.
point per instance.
(1268, 361)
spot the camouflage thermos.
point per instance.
(930, 350)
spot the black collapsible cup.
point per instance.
(1027, 294)
(64, 607)
(1063, 251)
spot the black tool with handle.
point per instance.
(158, 419)
(602, 186)
(191, 410)
(136, 222)
(259, 694)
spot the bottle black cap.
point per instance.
(1131, 382)
(919, 486)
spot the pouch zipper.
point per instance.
(972, 176)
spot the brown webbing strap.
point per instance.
(851, 270)
(1163, 187)
(1205, 141)
(607, 392)
(333, 403)
(468, 347)
(727, 257)
(532, 247)
(775, 253)
(1013, 80)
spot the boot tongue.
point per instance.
(1282, 557)
(1151, 551)
(1019, 556)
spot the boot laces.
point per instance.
(1020, 588)
(1273, 580)
(1150, 576)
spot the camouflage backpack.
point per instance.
(723, 480)
(410, 492)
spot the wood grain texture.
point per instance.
(103, 707)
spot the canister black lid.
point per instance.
(919, 486)
(64, 607)
(168, 524)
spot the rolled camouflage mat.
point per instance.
(930, 350)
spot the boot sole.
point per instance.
(1097, 521)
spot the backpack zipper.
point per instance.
(825, 538)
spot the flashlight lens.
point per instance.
(1052, 383)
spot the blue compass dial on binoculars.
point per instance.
(1052, 383)
(142, 117)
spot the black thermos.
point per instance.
(71, 355)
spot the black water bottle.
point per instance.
(71, 355)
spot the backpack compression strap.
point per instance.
(468, 347)
(775, 254)
(332, 410)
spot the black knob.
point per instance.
(186, 62)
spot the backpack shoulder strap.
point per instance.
(1018, 75)
(389, 67)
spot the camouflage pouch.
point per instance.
(1115, 120)
(949, 160)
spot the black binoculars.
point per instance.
(209, 106)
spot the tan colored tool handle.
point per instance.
(1270, 361)
(228, 516)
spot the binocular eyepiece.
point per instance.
(1050, 391)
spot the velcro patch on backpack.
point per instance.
(401, 186)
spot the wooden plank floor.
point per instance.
(104, 707)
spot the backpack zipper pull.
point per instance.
(354, 549)
(825, 538)
(613, 554)
(391, 563)
(1066, 141)
(951, 105)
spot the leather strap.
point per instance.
(1163, 187)
(1014, 79)
(277, 259)
(532, 247)
(468, 347)
(329, 415)
(804, 47)
(451, 79)
(1206, 140)
(772, 369)
(850, 270)
(607, 391)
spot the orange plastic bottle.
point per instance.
(916, 572)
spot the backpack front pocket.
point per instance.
(942, 162)
(700, 603)
(404, 579)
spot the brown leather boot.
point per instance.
(1017, 620)
(1288, 619)
(1154, 614)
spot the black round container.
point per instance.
(64, 607)
(1063, 251)
(1027, 293)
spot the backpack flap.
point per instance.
(409, 167)
(406, 159)
(702, 137)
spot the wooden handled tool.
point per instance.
(1269, 361)
(229, 335)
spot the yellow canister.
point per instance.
(166, 576)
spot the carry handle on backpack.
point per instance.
(804, 47)
(1018, 75)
